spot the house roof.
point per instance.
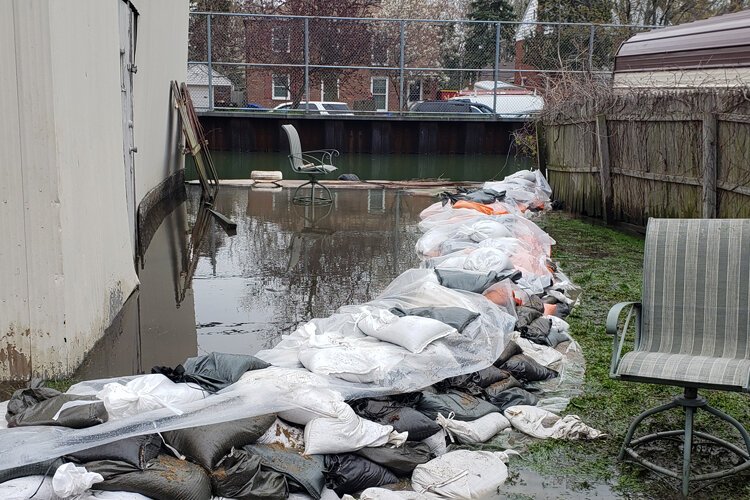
(197, 74)
(717, 42)
(529, 16)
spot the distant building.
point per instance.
(90, 141)
(714, 53)
(197, 83)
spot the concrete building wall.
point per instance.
(66, 258)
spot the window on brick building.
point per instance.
(280, 87)
(379, 89)
(280, 39)
(329, 88)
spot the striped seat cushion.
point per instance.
(702, 370)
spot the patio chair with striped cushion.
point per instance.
(692, 329)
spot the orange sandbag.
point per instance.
(550, 309)
(473, 205)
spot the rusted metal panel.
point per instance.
(722, 41)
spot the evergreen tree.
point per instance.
(480, 39)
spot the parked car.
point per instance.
(509, 104)
(451, 106)
(316, 107)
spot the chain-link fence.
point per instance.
(349, 66)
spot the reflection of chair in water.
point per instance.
(692, 331)
(311, 230)
(311, 163)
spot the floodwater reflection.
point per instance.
(288, 264)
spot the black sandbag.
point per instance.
(240, 476)
(526, 369)
(562, 310)
(401, 460)
(304, 473)
(484, 196)
(457, 317)
(503, 385)
(472, 281)
(217, 370)
(525, 316)
(397, 414)
(538, 331)
(463, 406)
(165, 478)
(136, 451)
(350, 473)
(46, 468)
(206, 444)
(513, 397)
(481, 379)
(510, 350)
(38, 406)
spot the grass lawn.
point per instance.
(607, 265)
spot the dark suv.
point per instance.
(452, 106)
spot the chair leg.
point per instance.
(687, 449)
(638, 420)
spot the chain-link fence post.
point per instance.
(210, 67)
(591, 48)
(307, 64)
(496, 67)
(401, 64)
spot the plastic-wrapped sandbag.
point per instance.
(70, 480)
(346, 433)
(456, 317)
(542, 354)
(478, 431)
(136, 451)
(216, 370)
(400, 459)
(558, 332)
(304, 473)
(401, 417)
(544, 424)
(437, 443)
(146, 393)
(502, 385)
(284, 434)
(45, 406)
(526, 369)
(462, 474)
(240, 476)
(349, 473)
(166, 478)
(513, 396)
(470, 281)
(413, 333)
(463, 406)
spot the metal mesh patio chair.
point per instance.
(314, 164)
(692, 330)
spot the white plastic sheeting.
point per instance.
(70, 480)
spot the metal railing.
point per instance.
(381, 67)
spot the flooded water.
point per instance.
(236, 165)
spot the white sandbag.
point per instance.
(410, 332)
(542, 354)
(384, 494)
(286, 435)
(559, 327)
(480, 430)
(484, 229)
(347, 433)
(146, 393)
(314, 402)
(70, 480)
(437, 443)
(544, 424)
(462, 474)
(3, 412)
(486, 260)
(23, 487)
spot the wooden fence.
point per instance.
(648, 160)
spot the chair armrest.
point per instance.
(611, 328)
(323, 156)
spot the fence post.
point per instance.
(602, 141)
(709, 165)
(401, 70)
(591, 48)
(210, 66)
(495, 67)
(307, 63)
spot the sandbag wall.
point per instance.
(469, 347)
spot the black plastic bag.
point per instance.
(349, 473)
(304, 473)
(240, 476)
(510, 350)
(401, 460)
(39, 406)
(513, 397)
(403, 418)
(207, 444)
(136, 451)
(538, 331)
(165, 478)
(526, 369)
(463, 406)
(457, 317)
